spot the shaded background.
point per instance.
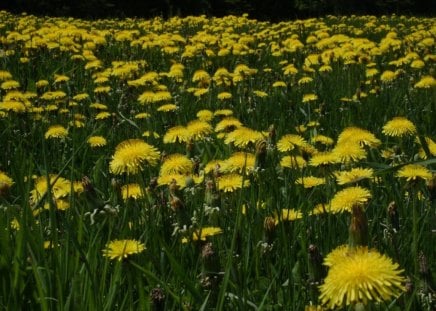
(273, 10)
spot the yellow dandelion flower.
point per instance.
(388, 76)
(363, 276)
(309, 98)
(41, 83)
(177, 134)
(426, 82)
(56, 131)
(310, 181)
(243, 136)
(231, 182)
(354, 175)
(345, 199)
(431, 145)
(102, 89)
(176, 164)
(224, 95)
(324, 158)
(198, 129)
(120, 249)
(97, 141)
(399, 126)
(288, 215)
(61, 78)
(227, 124)
(13, 106)
(103, 115)
(293, 162)
(414, 172)
(181, 180)
(223, 112)
(322, 139)
(355, 135)
(131, 155)
(205, 232)
(260, 94)
(5, 183)
(349, 152)
(205, 115)
(142, 115)
(60, 187)
(239, 162)
(98, 106)
(59, 204)
(167, 108)
(278, 84)
(5, 75)
(290, 141)
(10, 85)
(132, 191)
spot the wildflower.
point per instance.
(5, 183)
(349, 152)
(361, 276)
(56, 131)
(198, 129)
(130, 156)
(60, 187)
(10, 85)
(260, 94)
(426, 82)
(103, 115)
(325, 140)
(142, 115)
(223, 112)
(399, 126)
(120, 249)
(294, 162)
(224, 95)
(345, 199)
(290, 141)
(176, 164)
(323, 158)
(309, 98)
(242, 136)
(388, 76)
(133, 191)
(354, 175)
(310, 181)
(413, 172)
(239, 162)
(288, 215)
(205, 115)
(12, 105)
(355, 135)
(228, 124)
(205, 232)
(97, 141)
(41, 83)
(177, 134)
(167, 108)
(279, 84)
(231, 182)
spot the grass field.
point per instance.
(217, 163)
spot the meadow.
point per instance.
(205, 163)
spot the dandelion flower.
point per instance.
(426, 82)
(399, 126)
(205, 115)
(414, 172)
(310, 181)
(362, 276)
(176, 164)
(243, 136)
(205, 232)
(228, 124)
(231, 182)
(131, 191)
(359, 136)
(131, 155)
(388, 76)
(5, 183)
(353, 175)
(288, 215)
(309, 98)
(238, 162)
(167, 108)
(323, 158)
(120, 249)
(97, 141)
(56, 131)
(198, 129)
(345, 199)
(293, 162)
(177, 134)
(60, 187)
